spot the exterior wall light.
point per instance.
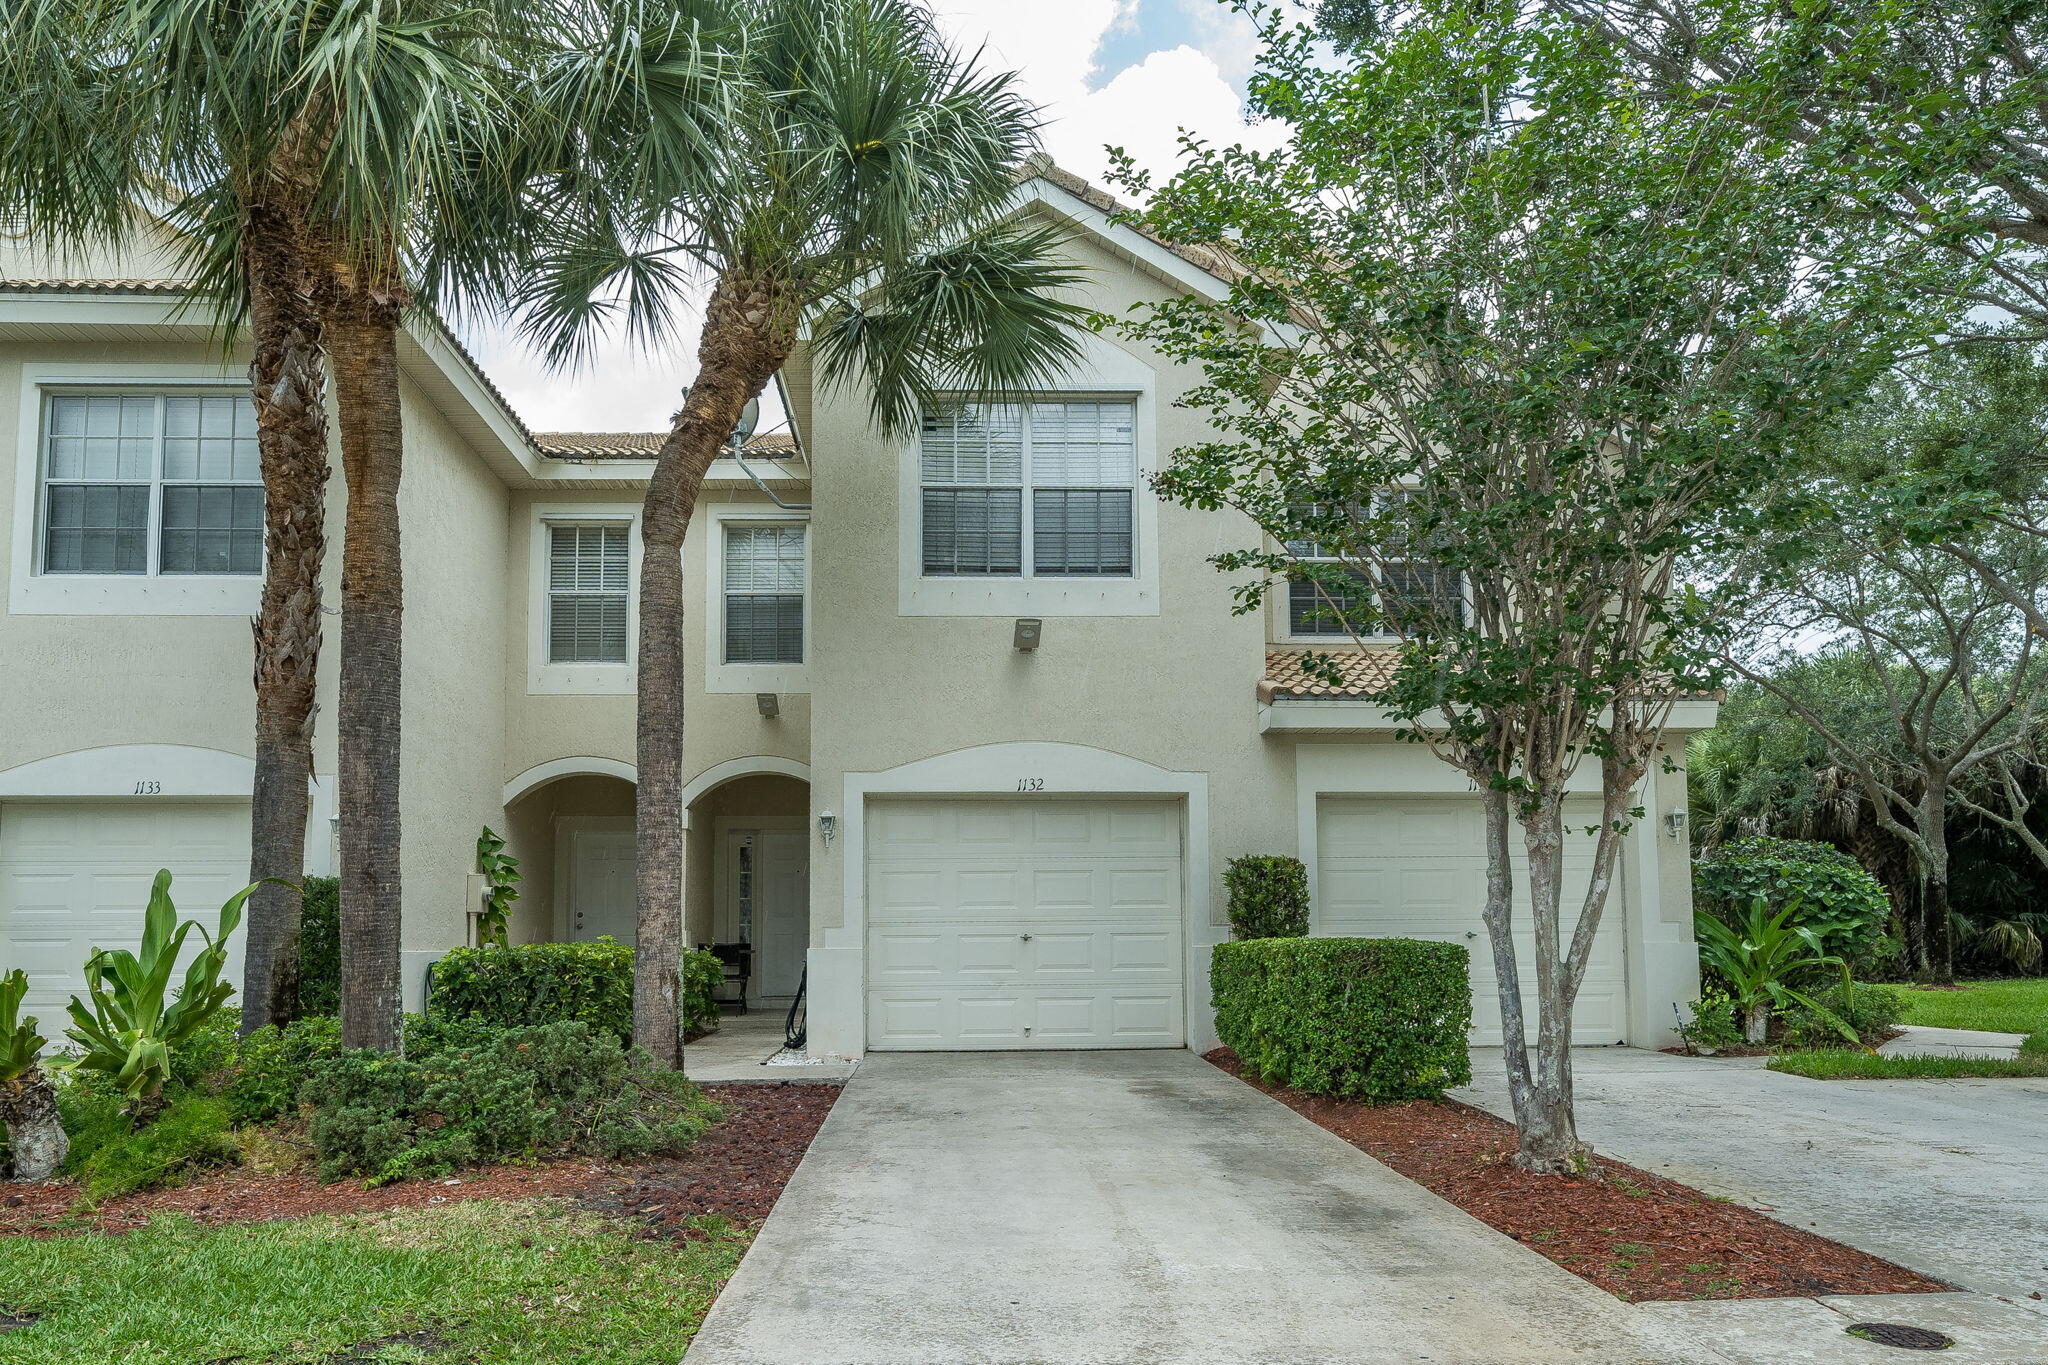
(1674, 823)
(828, 825)
(1027, 633)
(768, 704)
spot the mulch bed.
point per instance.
(736, 1172)
(1638, 1236)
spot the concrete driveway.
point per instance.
(1949, 1178)
(1131, 1207)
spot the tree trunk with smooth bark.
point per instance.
(747, 335)
(35, 1136)
(362, 320)
(1938, 936)
(288, 379)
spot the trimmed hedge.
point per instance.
(529, 984)
(1379, 1019)
(320, 946)
(1830, 891)
(1267, 896)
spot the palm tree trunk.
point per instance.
(362, 335)
(36, 1140)
(742, 345)
(288, 379)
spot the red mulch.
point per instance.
(1636, 1235)
(736, 1172)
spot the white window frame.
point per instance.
(1283, 627)
(35, 593)
(545, 679)
(720, 676)
(1104, 373)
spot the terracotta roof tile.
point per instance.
(641, 445)
(1214, 259)
(80, 286)
(1365, 673)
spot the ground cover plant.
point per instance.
(1836, 1065)
(483, 1281)
(1636, 1235)
(2017, 1006)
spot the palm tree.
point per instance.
(820, 164)
(111, 106)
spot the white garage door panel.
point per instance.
(1416, 868)
(75, 875)
(1014, 924)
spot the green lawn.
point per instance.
(485, 1282)
(1840, 1064)
(2001, 1006)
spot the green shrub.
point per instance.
(1268, 896)
(703, 973)
(516, 1093)
(1716, 1025)
(1843, 905)
(538, 983)
(1380, 1019)
(190, 1135)
(271, 1065)
(1870, 1010)
(320, 946)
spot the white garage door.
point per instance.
(75, 875)
(1416, 868)
(1024, 924)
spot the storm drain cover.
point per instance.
(1899, 1335)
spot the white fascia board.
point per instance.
(1312, 714)
(514, 454)
(89, 309)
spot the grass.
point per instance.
(485, 1282)
(1844, 1065)
(2000, 1006)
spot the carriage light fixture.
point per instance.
(828, 825)
(1674, 822)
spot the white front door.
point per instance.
(1415, 867)
(771, 903)
(601, 898)
(75, 875)
(1041, 923)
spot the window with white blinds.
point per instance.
(151, 484)
(1030, 490)
(764, 594)
(1341, 601)
(589, 576)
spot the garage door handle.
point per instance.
(1470, 934)
(1025, 937)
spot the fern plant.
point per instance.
(132, 1024)
(28, 1104)
(1762, 958)
(501, 887)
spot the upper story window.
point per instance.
(589, 576)
(764, 593)
(1030, 490)
(151, 484)
(1343, 603)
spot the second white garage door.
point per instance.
(1046, 923)
(1409, 867)
(75, 875)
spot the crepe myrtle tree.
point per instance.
(1511, 344)
(820, 171)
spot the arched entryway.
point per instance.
(570, 824)
(746, 875)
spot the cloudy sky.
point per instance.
(1127, 72)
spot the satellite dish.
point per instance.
(750, 418)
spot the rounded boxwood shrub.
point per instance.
(1379, 1019)
(1267, 896)
(1832, 894)
(537, 983)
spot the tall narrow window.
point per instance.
(151, 484)
(764, 594)
(1035, 490)
(588, 579)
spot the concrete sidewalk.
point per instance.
(1949, 1178)
(1086, 1208)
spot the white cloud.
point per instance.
(1054, 47)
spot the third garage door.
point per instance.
(1415, 867)
(1038, 923)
